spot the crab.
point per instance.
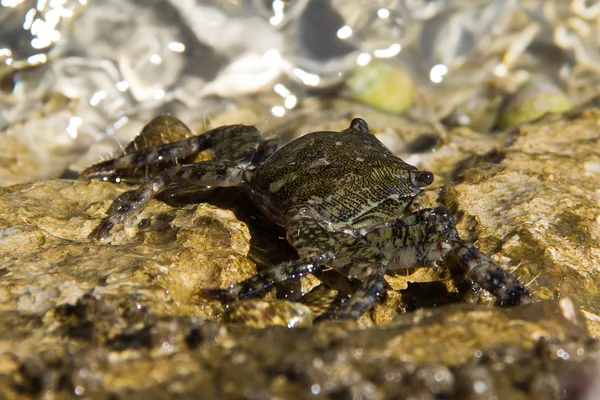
(340, 196)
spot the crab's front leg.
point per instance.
(467, 261)
(313, 236)
(430, 235)
(317, 244)
(356, 258)
(310, 235)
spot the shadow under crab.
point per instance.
(339, 196)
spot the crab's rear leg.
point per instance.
(232, 142)
(430, 235)
(208, 173)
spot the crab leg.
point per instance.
(466, 261)
(429, 235)
(309, 236)
(368, 294)
(313, 235)
(232, 142)
(356, 258)
(265, 279)
(370, 291)
(208, 173)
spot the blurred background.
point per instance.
(79, 78)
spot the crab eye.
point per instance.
(423, 178)
(360, 125)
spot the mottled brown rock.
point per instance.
(98, 349)
(125, 319)
(537, 209)
(260, 313)
(159, 259)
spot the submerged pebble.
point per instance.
(534, 99)
(382, 85)
(479, 112)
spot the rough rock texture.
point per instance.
(125, 319)
(158, 261)
(539, 351)
(537, 209)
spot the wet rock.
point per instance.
(535, 207)
(261, 313)
(126, 319)
(457, 352)
(478, 111)
(157, 261)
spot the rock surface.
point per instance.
(125, 319)
(95, 349)
(537, 209)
